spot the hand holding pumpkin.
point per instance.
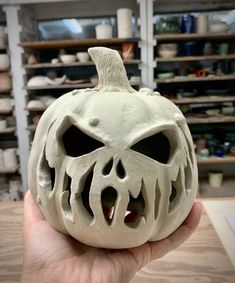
(50, 256)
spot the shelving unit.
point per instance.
(198, 123)
(9, 168)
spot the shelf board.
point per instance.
(196, 79)
(63, 86)
(67, 86)
(35, 109)
(5, 112)
(9, 130)
(75, 64)
(193, 36)
(9, 170)
(216, 160)
(204, 99)
(210, 120)
(76, 43)
(195, 58)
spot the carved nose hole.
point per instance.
(120, 170)
(108, 167)
(108, 200)
(66, 195)
(135, 210)
(86, 192)
(172, 197)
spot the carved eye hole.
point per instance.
(77, 143)
(157, 147)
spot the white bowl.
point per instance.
(68, 58)
(35, 104)
(167, 53)
(4, 62)
(218, 27)
(83, 56)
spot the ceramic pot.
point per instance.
(2, 37)
(215, 179)
(5, 82)
(187, 24)
(10, 158)
(168, 50)
(169, 24)
(218, 27)
(124, 23)
(6, 104)
(68, 58)
(202, 24)
(104, 31)
(83, 56)
(4, 62)
(14, 189)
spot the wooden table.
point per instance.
(200, 259)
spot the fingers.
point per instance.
(160, 248)
(32, 213)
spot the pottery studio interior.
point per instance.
(145, 128)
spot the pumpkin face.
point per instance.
(110, 166)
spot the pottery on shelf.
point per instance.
(218, 27)
(169, 24)
(83, 57)
(168, 50)
(104, 31)
(10, 158)
(4, 62)
(202, 24)
(32, 104)
(68, 58)
(6, 104)
(5, 82)
(3, 125)
(55, 61)
(38, 81)
(134, 153)
(124, 23)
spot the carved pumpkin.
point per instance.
(110, 166)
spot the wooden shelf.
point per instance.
(76, 43)
(35, 109)
(9, 170)
(75, 64)
(210, 120)
(196, 79)
(67, 86)
(204, 99)
(5, 112)
(9, 130)
(193, 36)
(216, 160)
(195, 58)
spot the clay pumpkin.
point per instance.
(110, 166)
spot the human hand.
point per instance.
(52, 257)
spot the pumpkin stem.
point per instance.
(110, 69)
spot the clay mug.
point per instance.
(5, 82)
(10, 158)
(4, 62)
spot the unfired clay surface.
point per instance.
(110, 166)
